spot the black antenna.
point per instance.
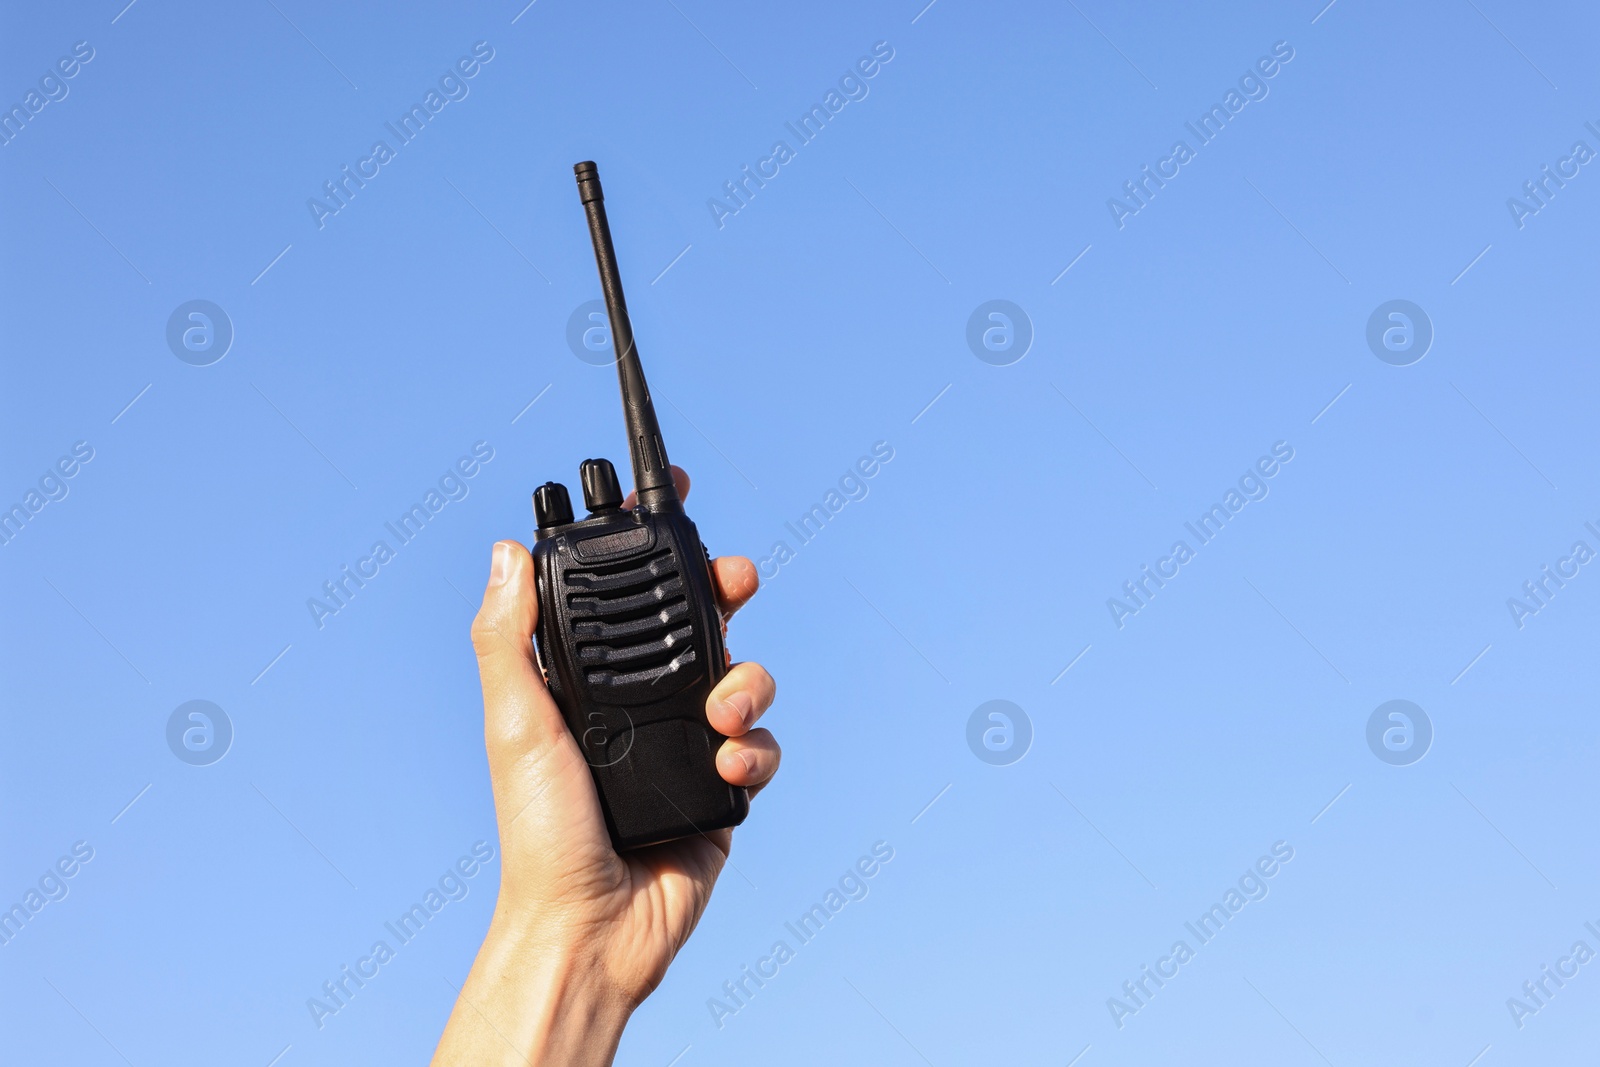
(652, 474)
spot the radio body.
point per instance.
(630, 634)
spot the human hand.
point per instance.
(580, 934)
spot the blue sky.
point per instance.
(1218, 322)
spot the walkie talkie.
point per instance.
(630, 635)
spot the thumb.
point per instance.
(518, 714)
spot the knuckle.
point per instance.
(746, 579)
(752, 677)
(764, 681)
(485, 636)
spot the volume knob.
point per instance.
(551, 505)
(601, 491)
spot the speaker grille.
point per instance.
(631, 621)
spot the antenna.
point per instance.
(652, 474)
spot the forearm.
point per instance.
(533, 998)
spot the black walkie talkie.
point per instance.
(629, 633)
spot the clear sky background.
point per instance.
(1172, 347)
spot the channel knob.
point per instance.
(551, 505)
(601, 492)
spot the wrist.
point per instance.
(545, 991)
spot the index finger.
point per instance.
(680, 478)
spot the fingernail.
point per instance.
(500, 564)
(745, 760)
(739, 704)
